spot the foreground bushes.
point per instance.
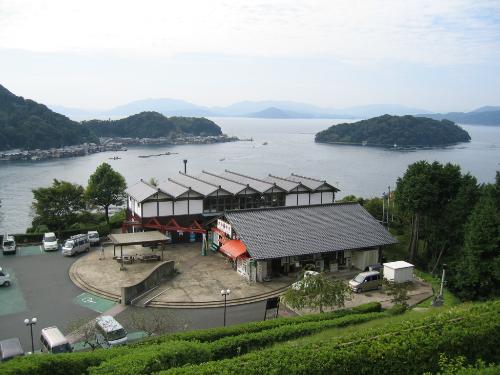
(212, 334)
(410, 347)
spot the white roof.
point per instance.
(141, 191)
(108, 323)
(54, 335)
(398, 264)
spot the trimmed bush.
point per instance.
(155, 358)
(405, 348)
(212, 334)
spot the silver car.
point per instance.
(4, 278)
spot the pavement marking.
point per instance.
(93, 302)
(29, 250)
(11, 297)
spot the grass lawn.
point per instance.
(449, 298)
(339, 332)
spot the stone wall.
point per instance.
(155, 277)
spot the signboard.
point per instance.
(272, 303)
(225, 227)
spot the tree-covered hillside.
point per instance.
(27, 124)
(153, 125)
(400, 130)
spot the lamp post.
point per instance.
(31, 323)
(225, 293)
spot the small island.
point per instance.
(395, 131)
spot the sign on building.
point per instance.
(225, 227)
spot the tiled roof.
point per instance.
(228, 185)
(284, 183)
(255, 183)
(311, 183)
(290, 231)
(141, 191)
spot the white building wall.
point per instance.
(291, 200)
(327, 197)
(196, 206)
(315, 198)
(137, 208)
(303, 199)
(363, 259)
(180, 208)
(149, 209)
(166, 208)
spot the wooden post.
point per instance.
(122, 268)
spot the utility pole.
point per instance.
(185, 165)
(388, 205)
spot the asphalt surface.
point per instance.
(42, 288)
(43, 284)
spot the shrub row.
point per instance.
(146, 360)
(80, 362)
(391, 349)
(212, 334)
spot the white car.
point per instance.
(50, 242)
(93, 237)
(307, 274)
(4, 278)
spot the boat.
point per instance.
(115, 158)
(222, 159)
(264, 144)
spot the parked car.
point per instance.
(49, 242)
(53, 341)
(109, 332)
(307, 274)
(93, 236)
(4, 278)
(10, 348)
(366, 281)
(9, 244)
(76, 244)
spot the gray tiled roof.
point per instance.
(311, 183)
(255, 183)
(140, 191)
(228, 185)
(172, 188)
(289, 231)
(283, 183)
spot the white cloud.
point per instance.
(363, 32)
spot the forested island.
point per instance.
(395, 131)
(153, 125)
(28, 125)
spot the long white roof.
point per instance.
(207, 183)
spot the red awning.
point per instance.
(233, 248)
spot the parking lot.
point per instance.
(40, 288)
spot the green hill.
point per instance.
(153, 125)
(404, 131)
(27, 124)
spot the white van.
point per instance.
(93, 236)
(9, 244)
(49, 242)
(109, 332)
(76, 244)
(53, 341)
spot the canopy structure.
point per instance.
(234, 248)
(137, 238)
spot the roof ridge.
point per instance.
(250, 177)
(178, 183)
(308, 178)
(295, 182)
(199, 179)
(294, 207)
(149, 185)
(224, 178)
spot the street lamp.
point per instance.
(31, 323)
(225, 293)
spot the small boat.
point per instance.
(115, 158)
(222, 159)
(264, 144)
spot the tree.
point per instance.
(475, 274)
(153, 321)
(106, 187)
(57, 206)
(84, 331)
(317, 292)
(398, 292)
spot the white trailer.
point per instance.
(398, 272)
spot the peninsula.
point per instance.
(395, 131)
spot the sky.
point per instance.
(437, 55)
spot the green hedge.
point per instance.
(60, 364)
(155, 358)
(405, 348)
(212, 334)
(152, 358)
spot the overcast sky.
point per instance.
(439, 55)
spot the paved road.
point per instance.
(41, 289)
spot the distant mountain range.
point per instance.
(488, 115)
(257, 109)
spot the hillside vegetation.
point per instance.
(153, 125)
(29, 125)
(404, 131)
(398, 345)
